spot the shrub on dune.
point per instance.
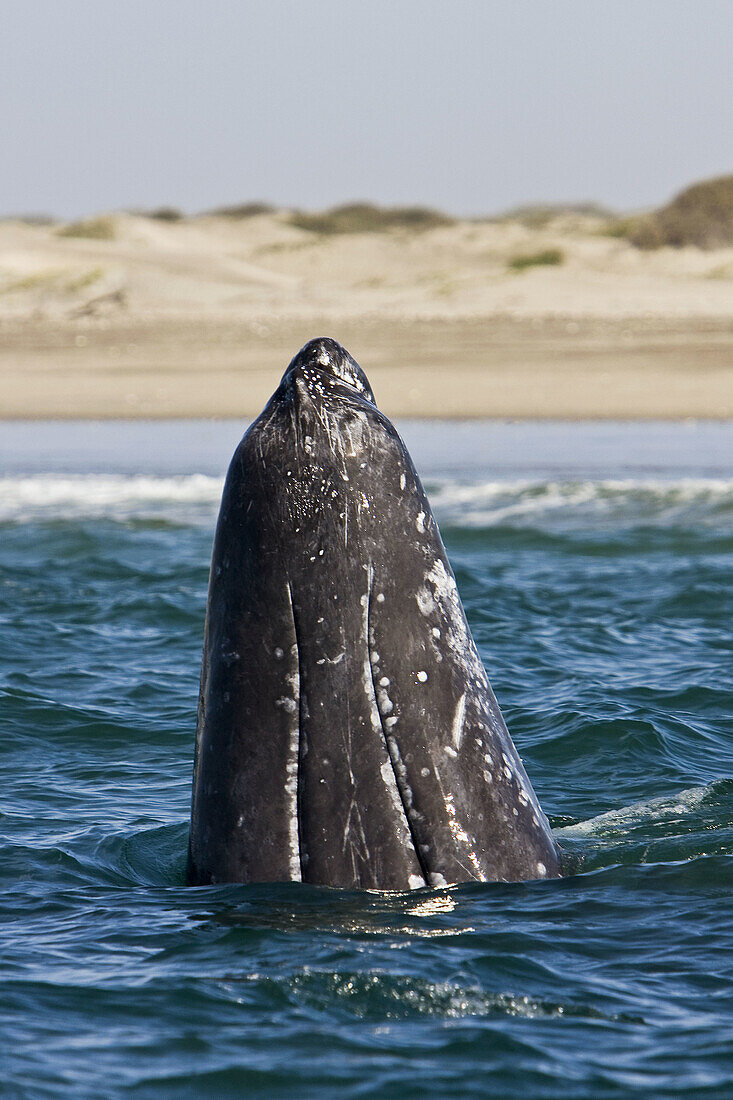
(97, 229)
(701, 215)
(366, 217)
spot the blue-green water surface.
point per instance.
(595, 567)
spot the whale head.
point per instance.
(323, 367)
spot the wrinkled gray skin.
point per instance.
(347, 732)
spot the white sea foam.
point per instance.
(530, 503)
(513, 503)
(185, 497)
(640, 814)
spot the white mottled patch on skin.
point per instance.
(288, 705)
(425, 601)
(436, 879)
(458, 717)
(420, 522)
(332, 660)
(387, 772)
(389, 769)
(291, 706)
(455, 631)
(422, 676)
(279, 653)
(369, 690)
(385, 704)
(415, 882)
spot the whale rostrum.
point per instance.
(347, 732)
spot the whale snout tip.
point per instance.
(332, 360)
(324, 351)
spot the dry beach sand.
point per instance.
(199, 317)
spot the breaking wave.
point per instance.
(556, 504)
(181, 497)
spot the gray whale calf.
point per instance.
(347, 732)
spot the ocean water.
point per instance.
(595, 566)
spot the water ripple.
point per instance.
(602, 610)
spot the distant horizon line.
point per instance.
(168, 211)
(401, 212)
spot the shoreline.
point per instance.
(200, 319)
(496, 368)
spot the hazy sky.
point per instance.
(468, 105)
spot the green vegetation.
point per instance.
(620, 228)
(242, 210)
(548, 257)
(38, 280)
(539, 215)
(164, 214)
(54, 278)
(81, 282)
(97, 229)
(365, 217)
(701, 215)
(34, 219)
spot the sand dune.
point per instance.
(199, 317)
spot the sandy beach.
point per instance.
(199, 317)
